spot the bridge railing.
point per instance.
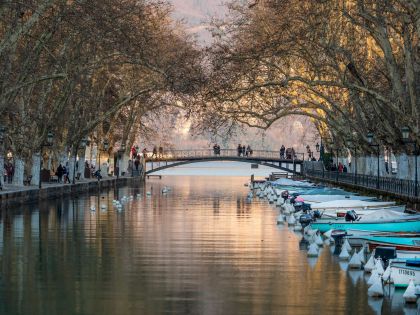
(177, 154)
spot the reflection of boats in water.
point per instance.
(376, 305)
(303, 244)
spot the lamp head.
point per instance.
(106, 145)
(405, 133)
(370, 137)
(50, 138)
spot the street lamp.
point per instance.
(82, 145)
(320, 148)
(50, 139)
(406, 138)
(370, 137)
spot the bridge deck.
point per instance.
(178, 158)
(210, 155)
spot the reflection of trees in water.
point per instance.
(216, 205)
(242, 206)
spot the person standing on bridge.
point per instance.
(160, 152)
(239, 149)
(282, 150)
(154, 154)
(243, 150)
(248, 151)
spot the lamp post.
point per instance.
(370, 137)
(406, 138)
(2, 134)
(320, 149)
(50, 138)
(121, 151)
(82, 145)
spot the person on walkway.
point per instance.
(340, 167)
(10, 172)
(161, 152)
(344, 169)
(334, 167)
(133, 152)
(60, 173)
(137, 163)
(243, 150)
(239, 149)
(282, 151)
(154, 152)
(145, 152)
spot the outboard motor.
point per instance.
(285, 195)
(305, 220)
(306, 207)
(316, 214)
(351, 216)
(298, 206)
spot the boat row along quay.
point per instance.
(382, 238)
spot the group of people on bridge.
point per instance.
(242, 151)
(287, 154)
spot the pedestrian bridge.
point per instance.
(174, 158)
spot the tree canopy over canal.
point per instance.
(102, 69)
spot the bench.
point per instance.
(54, 179)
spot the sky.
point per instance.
(197, 14)
(296, 132)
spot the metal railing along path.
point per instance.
(402, 187)
(173, 155)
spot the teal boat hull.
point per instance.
(387, 226)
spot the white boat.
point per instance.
(325, 198)
(293, 183)
(371, 211)
(351, 205)
(404, 271)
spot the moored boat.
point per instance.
(407, 224)
(404, 271)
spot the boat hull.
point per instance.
(387, 226)
(402, 274)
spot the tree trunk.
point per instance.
(124, 164)
(81, 166)
(71, 166)
(19, 172)
(35, 170)
(2, 170)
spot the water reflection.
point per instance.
(201, 249)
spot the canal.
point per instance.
(199, 249)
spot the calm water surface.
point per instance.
(201, 249)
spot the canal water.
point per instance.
(199, 249)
